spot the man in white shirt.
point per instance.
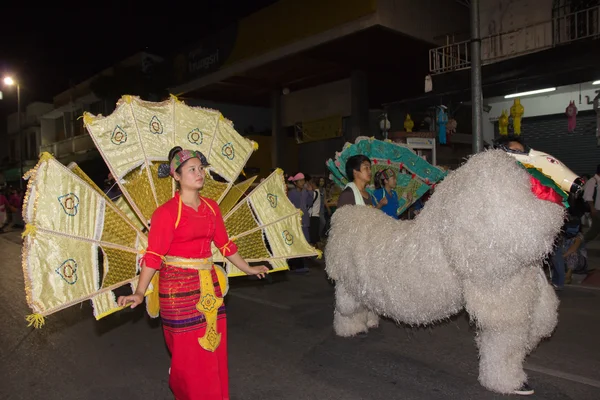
(315, 214)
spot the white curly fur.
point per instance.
(478, 245)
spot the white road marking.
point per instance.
(563, 375)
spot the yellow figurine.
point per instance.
(516, 112)
(408, 123)
(503, 123)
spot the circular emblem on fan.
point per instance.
(68, 271)
(118, 136)
(228, 151)
(69, 203)
(272, 199)
(288, 238)
(156, 126)
(195, 136)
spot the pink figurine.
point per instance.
(571, 112)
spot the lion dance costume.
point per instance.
(477, 245)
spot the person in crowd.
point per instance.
(315, 212)
(301, 197)
(592, 201)
(358, 170)
(385, 184)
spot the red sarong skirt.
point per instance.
(196, 373)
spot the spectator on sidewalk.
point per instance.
(5, 207)
(590, 196)
(564, 265)
(301, 197)
(315, 212)
(325, 211)
(16, 201)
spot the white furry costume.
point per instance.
(478, 245)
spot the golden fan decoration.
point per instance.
(79, 245)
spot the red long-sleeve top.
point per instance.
(188, 235)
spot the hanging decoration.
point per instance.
(428, 84)
(451, 128)
(516, 112)
(571, 112)
(503, 123)
(384, 125)
(596, 107)
(442, 120)
(408, 123)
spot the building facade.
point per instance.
(322, 67)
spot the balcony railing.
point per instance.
(76, 144)
(565, 29)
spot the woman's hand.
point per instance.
(259, 271)
(242, 265)
(136, 299)
(383, 201)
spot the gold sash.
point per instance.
(209, 303)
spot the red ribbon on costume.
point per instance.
(544, 192)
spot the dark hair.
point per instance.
(504, 140)
(172, 154)
(354, 163)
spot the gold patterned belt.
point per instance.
(191, 263)
(209, 303)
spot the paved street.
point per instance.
(281, 346)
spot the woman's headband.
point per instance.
(179, 158)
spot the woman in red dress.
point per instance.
(191, 287)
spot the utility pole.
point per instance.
(476, 89)
(19, 134)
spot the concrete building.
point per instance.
(62, 130)
(27, 138)
(529, 45)
(321, 68)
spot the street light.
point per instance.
(9, 81)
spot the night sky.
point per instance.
(50, 45)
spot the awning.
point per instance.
(390, 60)
(560, 66)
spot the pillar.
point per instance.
(359, 119)
(276, 129)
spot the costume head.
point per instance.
(566, 179)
